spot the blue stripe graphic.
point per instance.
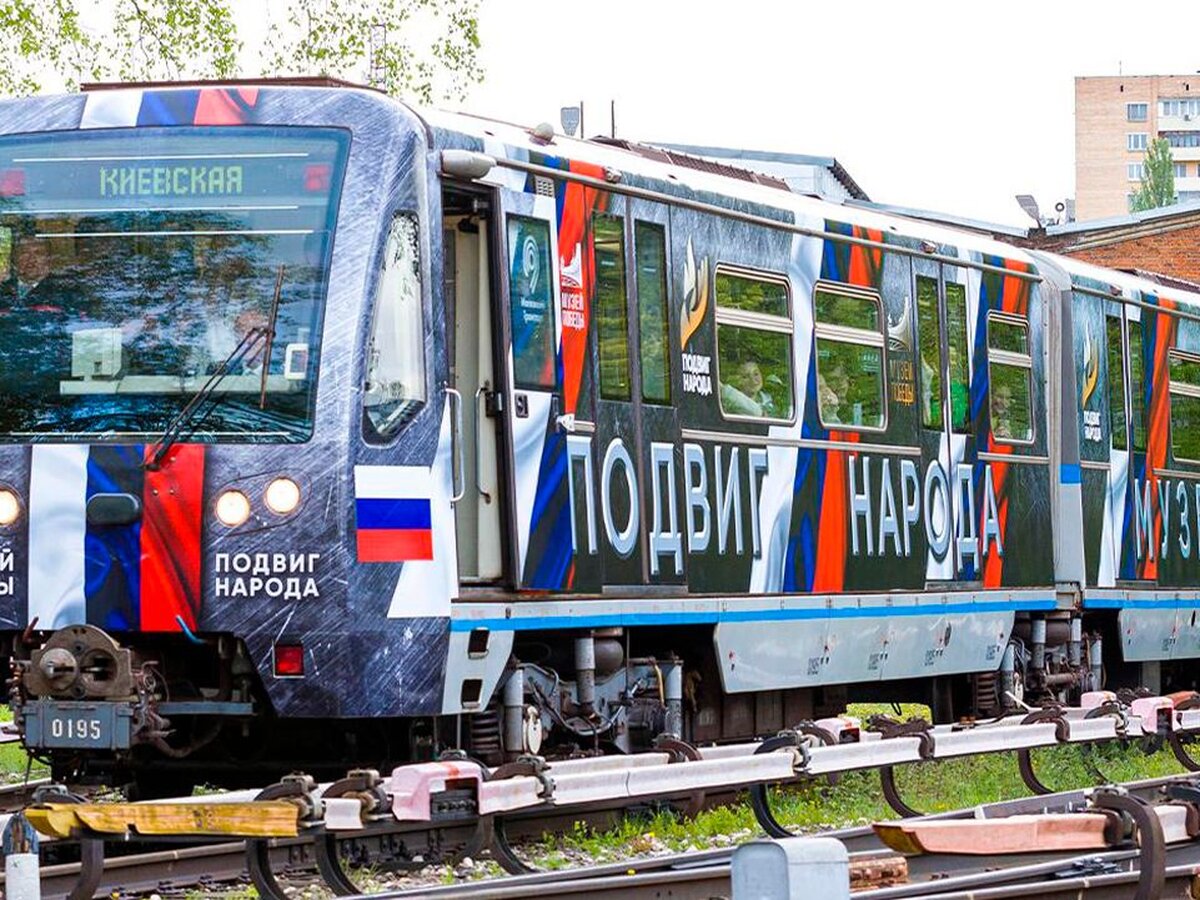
(113, 553)
(393, 513)
(1170, 603)
(712, 616)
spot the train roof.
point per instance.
(640, 160)
(1126, 284)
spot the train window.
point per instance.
(1116, 383)
(531, 302)
(956, 340)
(653, 337)
(1137, 386)
(1010, 368)
(1185, 406)
(612, 322)
(754, 345)
(395, 378)
(931, 352)
(850, 358)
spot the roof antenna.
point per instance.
(377, 74)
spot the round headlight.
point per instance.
(233, 508)
(282, 496)
(10, 507)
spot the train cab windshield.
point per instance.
(136, 264)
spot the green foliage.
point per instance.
(1158, 178)
(428, 48)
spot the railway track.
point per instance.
(701, 875)
(442, 811)
(14, 797)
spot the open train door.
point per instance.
(468, 272)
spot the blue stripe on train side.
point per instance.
(712, 616)
(393, 513)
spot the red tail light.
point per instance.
(12, 182)
(316, 177)
(289, 660)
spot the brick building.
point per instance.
(1157, 242)
(1116, 117)
(1163, 241)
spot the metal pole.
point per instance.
(22, 866)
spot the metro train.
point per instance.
(334, 432)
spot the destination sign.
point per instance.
(170, 181)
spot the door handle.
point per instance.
(457, 481)
(481, 392)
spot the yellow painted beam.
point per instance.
(252, 819)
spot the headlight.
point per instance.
(10, 507)
(282, 496)
(233, 508)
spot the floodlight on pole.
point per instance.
(1030, 206)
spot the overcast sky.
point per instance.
(952, 106)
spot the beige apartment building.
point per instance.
(1116, 116)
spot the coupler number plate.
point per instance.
(70, 724)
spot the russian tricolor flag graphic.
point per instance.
(393, 516)
(141, 575)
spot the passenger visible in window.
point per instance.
(748, 379)
(1002, 421)
(741, 393)
(31, 266)
(833, 388)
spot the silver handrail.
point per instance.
(458, 482)
(487, 498)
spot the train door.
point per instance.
(659, 453)
(945, 411)
(1117, 489)
(467, 277)
(620, 470)
(545, 403)
(1137, 539)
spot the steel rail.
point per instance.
(225, 862)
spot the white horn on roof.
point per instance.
(466, 164)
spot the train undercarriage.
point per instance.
(166, 713)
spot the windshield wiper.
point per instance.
(243, 351)
(175, 427)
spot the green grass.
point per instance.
(14, 759)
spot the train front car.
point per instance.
(195, 412)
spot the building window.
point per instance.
(1186, 109)
(1134, 171)
(1185, 406)
(612, 322)
(1181, 170)
(1182, 138)
(531, 302)
(850, 358)
(1138, 140)
(1137, 112)
(650, 252)
(754, 344)
(1010, 369)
